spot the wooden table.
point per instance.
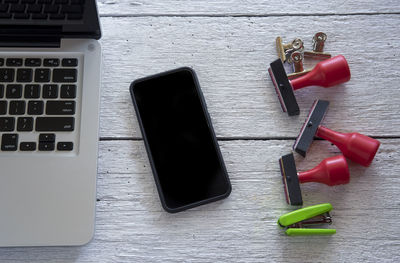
(230, 45)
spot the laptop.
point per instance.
(49, 117)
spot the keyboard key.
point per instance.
(60, 107)
(47, 141)
(39, 16)
(14, 91)
(51, 62)
(60, 1)
(33, 62)
(24, 74)
(50, 91)
(28, 1)
(69, 62)
(65, 146)
(75, 16)
(5, 15)
(17, 8)
(14, 62)
(17, 107)
(46, 146)
(42, 75)
(25, 124)
(55, 123)
(1, 90)
(68, 91)
(57, 16)
(35, 107)
(50, 9)
(9, 142)
(71, 9)
(3, 107)
(44, 1)
(1, 59)
(27, 146)
(3, 8)
(21, 16)
(47, 137)
(32, 91)
(7, 74)
(34, 9)
(64, 75)
(7, 123)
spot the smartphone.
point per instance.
(183, 151)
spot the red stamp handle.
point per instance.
(355, 146)
(326, 73)
(331, 171)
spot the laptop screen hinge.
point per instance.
(30, 41)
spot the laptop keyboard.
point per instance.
(41, 9)
(38, 103)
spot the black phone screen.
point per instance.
(180, 141)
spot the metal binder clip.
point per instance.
(318, 47)
(297, 60)
(286, 49)
(295, 222)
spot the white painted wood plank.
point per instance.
(249, 7)
(253, 166)
(231, 56)
(132, 227)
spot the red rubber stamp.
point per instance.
(355, 146)
(331, 171)
(327, 73)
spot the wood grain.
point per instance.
(231, 56)
(240, 8)
(230, 45)
(132, 227)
